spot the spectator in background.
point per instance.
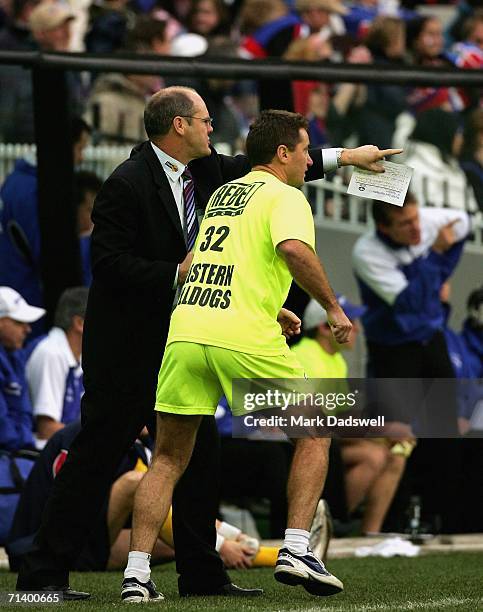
(425, 45)
(466, 353)
(216, 93)
(54, 372)
(51, 23)
(116, 103)
(16, 116)
(471, 159)
(314, 48)
(269, 28)
(107, 546)
(433, 150)
(108, 22)
(469, 51)
(20, 236)
(344, 116)
(86, 186)
(400, 267)
(321, 17)
(386, 40)
(457, 28)
(15, 407)
(473, 29)
(208, 18)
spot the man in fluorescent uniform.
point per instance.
(257, 233)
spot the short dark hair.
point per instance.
(145, 31)
(72, 302)
(382, 212)
(164, 106)
(84, 181)
(272, 129)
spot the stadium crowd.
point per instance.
(403, 267)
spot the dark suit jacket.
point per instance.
(137, 244)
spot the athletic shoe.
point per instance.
(308, 571)
(321, 531)
(135, 591)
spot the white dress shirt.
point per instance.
(173, 170)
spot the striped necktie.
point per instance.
(189, 209)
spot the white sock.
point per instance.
(138, 566)
(297, 541)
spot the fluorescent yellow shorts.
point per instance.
(193, 377)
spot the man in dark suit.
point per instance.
(143, 233)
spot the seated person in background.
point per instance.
(108, 546)
(466, 354)
(15, 407)
(53, 370)
(373, 466)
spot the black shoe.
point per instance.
(135, 591)
(68, 594)
(226, 590)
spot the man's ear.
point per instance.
(178, 125)
(282, 153)
(78, 323)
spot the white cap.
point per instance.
(13, 306)
(315, 315)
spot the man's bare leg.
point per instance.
(175, 439)
(296, 564)
(306, 480)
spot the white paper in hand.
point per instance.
(389, 186)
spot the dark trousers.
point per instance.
(427, 404)
(257, 468)
(111, 423)
(431, 469)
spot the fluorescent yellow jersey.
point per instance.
(237, 282)
(317, 363)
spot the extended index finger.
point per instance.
(385, 152)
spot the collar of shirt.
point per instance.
(58, 336)
(172, 167)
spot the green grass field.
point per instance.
(451, 582)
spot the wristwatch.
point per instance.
(338, 154)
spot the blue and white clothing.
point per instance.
(20, 234)
(465, 351)
(400, 285)
(16, 422)
(55, 378)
